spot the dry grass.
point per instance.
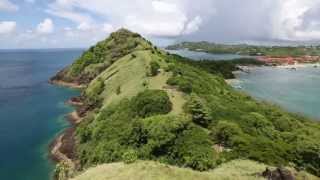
(148, 170)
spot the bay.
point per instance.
(296, 91)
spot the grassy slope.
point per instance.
(101, 56)
(147, 170)
(130, 75)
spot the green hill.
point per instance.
(142, 103)
(102, 55)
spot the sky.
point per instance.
(81, 23)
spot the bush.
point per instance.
(151, 102)
(154, 68)
(194, 149)
(157, 135)
(226, 132)
(130, 156)
(183, 85)
(118, 91)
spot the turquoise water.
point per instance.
(31, 111)
(208, 56)
(296, 91)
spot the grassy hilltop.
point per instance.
(141, 103)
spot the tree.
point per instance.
(199, 111)
(154, 68)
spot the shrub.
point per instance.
(154, 68)
(225, 133)
(118, 91)
(130, 156)
(151, 102)
(158, 133)
(183, 85)
(194, 149)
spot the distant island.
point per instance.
(145, 113)
(271, 55)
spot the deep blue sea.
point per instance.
(31, 110)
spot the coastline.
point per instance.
(66, 84)
(61, 149)
(247, 69)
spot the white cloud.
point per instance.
(193, 25)
(45, 27)
(6, 5)
(288, 20)
(150, 17)
(7, 27)
(84, 26)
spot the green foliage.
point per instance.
(225, 133)
(117, 133)
(223, 68)
(154, 68)
(99, 57)
(199, 111)
(156, 135)
(183, 84)
(62, 171)
(118, 91)
(130, 156)
(152, 102)
(254, 130)
(194, 149)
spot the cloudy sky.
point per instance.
(80, 23)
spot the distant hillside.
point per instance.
(140, 103)
(245, 49)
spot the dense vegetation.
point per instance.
(224, 68)
(251, 129)
(137, 128)
(135, 117)
(244, 49)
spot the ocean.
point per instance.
(31, 110)
(295, 90)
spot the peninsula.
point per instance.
(146, 113)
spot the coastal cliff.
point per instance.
(141, 103)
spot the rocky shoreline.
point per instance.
(62, 148)
(66, 84)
